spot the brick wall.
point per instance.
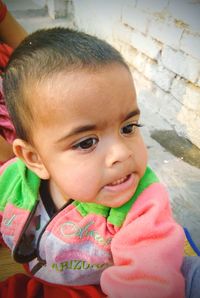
(160, 39)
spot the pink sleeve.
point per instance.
(6, 127)
(147, 251)
(2, 169)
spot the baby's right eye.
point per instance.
(86, 145)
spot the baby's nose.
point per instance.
(118, 152)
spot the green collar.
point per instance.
(20, 187)
(116, 216)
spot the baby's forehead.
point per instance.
(66, 101)
(72, 79)
(67, 87)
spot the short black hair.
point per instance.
(42, 54)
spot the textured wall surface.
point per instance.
(160, 39)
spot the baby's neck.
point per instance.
(56, 195)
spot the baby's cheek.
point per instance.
(82, 185)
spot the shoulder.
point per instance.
(9, 177)
(18, 185)
(8, 172)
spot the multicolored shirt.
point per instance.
(135, 250)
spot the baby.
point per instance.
(79, 204)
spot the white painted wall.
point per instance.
(160, 39)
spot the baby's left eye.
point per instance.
(130, 128)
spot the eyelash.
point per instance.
(133, 126)
(89, 144)
(93, 141)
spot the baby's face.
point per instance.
(87, 136)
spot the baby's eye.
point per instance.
(130, 128)
(86, 144)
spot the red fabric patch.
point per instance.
(3, 11)
(23, 286)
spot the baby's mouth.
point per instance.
(121, 185)
(119, 181)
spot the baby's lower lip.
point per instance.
(120, 184)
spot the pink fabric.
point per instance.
(5, 52)
(6, 127)
(147, 251)
(6, 164)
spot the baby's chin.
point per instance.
(118, 201)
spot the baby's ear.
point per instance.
(30, 157)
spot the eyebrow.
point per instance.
(90, 127)
(132, 114)
(77, 130)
